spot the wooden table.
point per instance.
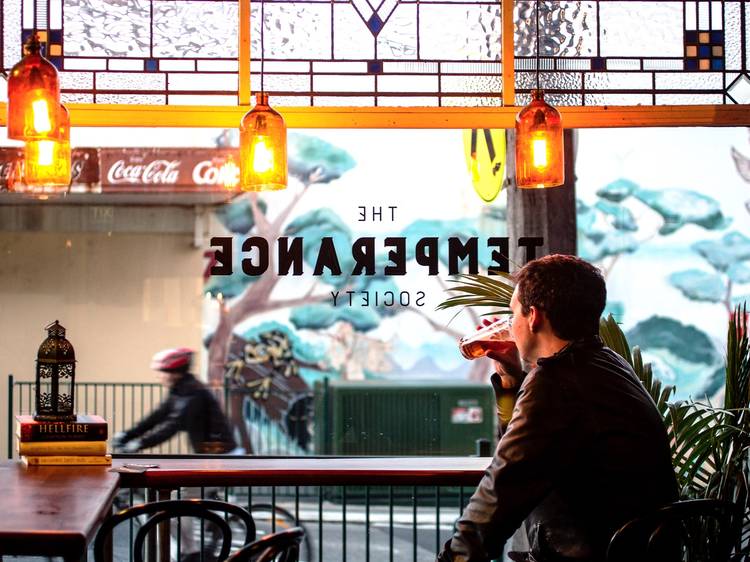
(52, 510)
(55, 510)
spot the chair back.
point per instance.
(703, 530)
(284, 544)
(171, 509)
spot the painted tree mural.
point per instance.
(260, 363)
(609, 229)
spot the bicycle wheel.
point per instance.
(270, 519)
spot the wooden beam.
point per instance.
(508, 53)
(243, 53)
(101, 115)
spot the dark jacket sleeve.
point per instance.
(183, 408)
(159, 415)
(535, 448)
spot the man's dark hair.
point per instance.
(569, 290)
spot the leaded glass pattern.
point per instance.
(622, 52)
(368, 52)
(132, 51)
(389, 52)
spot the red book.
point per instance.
(85, 428)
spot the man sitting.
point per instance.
(585, 450)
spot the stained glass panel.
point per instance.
(132, 51)
(389, 52)
(620, 52)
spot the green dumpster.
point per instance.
(419, 417)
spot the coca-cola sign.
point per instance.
(137, 169)
(162, 172)
(168, 169)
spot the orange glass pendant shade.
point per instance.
(540, 152)
(33, 97)
(47, 162)
(263, 165)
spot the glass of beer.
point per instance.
(497, 338)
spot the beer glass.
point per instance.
(497, 338)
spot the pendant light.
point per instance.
(540, 153)
(33, 97)
(263, 163)
(47, 162)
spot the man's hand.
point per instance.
(118, 440)
(119, 445)
(507, 364)
(132, 446)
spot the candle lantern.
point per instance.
(33, 97)
(55, 377)
(263, 148)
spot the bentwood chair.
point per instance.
(165, 511)
(702, 530)
(283, 544)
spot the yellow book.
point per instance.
(66, 459)
(48, 448)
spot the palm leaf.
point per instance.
(614, 338)
(480, 290)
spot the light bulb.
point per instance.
(40, 109)
(540, 151)
(262, 155)
(45, 153)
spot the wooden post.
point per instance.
(546, 213)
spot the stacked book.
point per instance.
(83, 441)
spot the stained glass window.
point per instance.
(372, 52)
(633, 53)
(389, 52)
(132, 51)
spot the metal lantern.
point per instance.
(55, 377)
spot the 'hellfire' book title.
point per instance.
(85, 428)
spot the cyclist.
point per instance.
(190, 406)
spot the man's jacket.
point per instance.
(189, 407)
(585, 451)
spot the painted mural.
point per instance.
(356, 201)
(664, 213)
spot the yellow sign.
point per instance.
(484, 150)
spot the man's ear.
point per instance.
(536, 319)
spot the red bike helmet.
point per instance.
(177, 359)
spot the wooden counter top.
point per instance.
(52, 510)
(306, 471)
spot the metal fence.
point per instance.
(341, 523)
(123, 404)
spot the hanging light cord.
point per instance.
(537, 44)
(262, 46)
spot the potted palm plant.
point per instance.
(710, 443)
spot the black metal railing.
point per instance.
(406, 520)
(123, 404)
